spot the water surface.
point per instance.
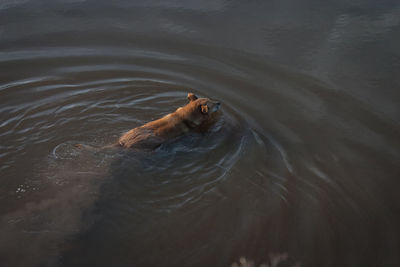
(301, 167)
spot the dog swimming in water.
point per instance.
(192, 116)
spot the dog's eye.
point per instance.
(204, 109)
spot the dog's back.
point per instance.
(184, 119)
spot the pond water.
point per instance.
(301, 167)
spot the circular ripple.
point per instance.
(91, 97)
(116, 90)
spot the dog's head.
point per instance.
(198, 110)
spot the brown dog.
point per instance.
(152, 134)
(180, 122)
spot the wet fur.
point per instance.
(149, 136)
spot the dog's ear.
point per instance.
(191, 97)
(204, 109)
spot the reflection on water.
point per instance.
(300, 169)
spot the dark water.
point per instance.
(301, 168)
